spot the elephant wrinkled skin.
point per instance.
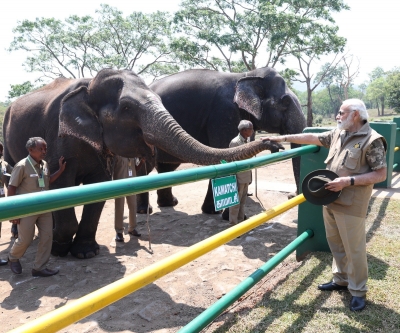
(87, 121)
(209, 106)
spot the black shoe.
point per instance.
(15, 266)
(249, 194)
(119, 237)
(357, 303)
(3, 262)
(134, 232)
(331, 286)
(44, 272)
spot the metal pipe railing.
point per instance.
(207, 316)
(40, 202)
(95, 301)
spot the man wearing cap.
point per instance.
(357, 154)
(5, 171)
(236, 213)
(31, 175)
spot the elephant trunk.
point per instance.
(160, 129)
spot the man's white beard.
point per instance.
(345, 125)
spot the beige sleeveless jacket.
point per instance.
(348, 158)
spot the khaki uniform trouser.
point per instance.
(119, 213)
(236, 213)
(347, 241)
(26, 232)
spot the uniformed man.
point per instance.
(357, 154)
(32, 175)
(125, 168)
(5, 171)
(236, 213)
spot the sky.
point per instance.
(371, 28)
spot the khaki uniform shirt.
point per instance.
(25, 177)
(124, 167)
(5, 168)
(245, 176)
(352, 154)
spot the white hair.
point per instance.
(355, 104)
(244, 124)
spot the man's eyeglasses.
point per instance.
(341, 113)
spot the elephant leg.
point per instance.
(65, 227)
(225, 214)
(142, 200)
(165, 198)
(84, 245)
(208, 204)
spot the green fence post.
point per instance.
(309, 215)
(396, 157)
(388, 131)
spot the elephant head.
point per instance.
(271, 105)
(119, 113)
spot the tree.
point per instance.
(312, 83)
(377, 91)
(245, 34)
(393, 89)
(349, 74)
(81, 46)
(20, 89)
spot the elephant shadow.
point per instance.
(76, 278)
(177, 228)
(142, 310)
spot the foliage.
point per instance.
(20, 89)
(235, 35)
(393, 89)
(81, 46)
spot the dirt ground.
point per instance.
(174, 300)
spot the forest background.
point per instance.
(300, 38)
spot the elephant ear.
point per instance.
(286, 101)
(78, 119)
(248, 95)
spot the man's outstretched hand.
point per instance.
(273, 146)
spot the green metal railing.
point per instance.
(207, 316)
(40, 202)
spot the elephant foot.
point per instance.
(59, 249)
(142, 209)
(85, 249)
(225, 214)
(210, 209)
(291, 195)
(167, 202)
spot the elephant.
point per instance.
(88, 121)
(209, 106)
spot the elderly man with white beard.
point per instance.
(357, 154)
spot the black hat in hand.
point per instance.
(313, 187)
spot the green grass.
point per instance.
(295, 304)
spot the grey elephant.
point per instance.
(209, 106)
(87, 121)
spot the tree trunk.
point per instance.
(309, 107)
(383, 105)
(377, 105)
